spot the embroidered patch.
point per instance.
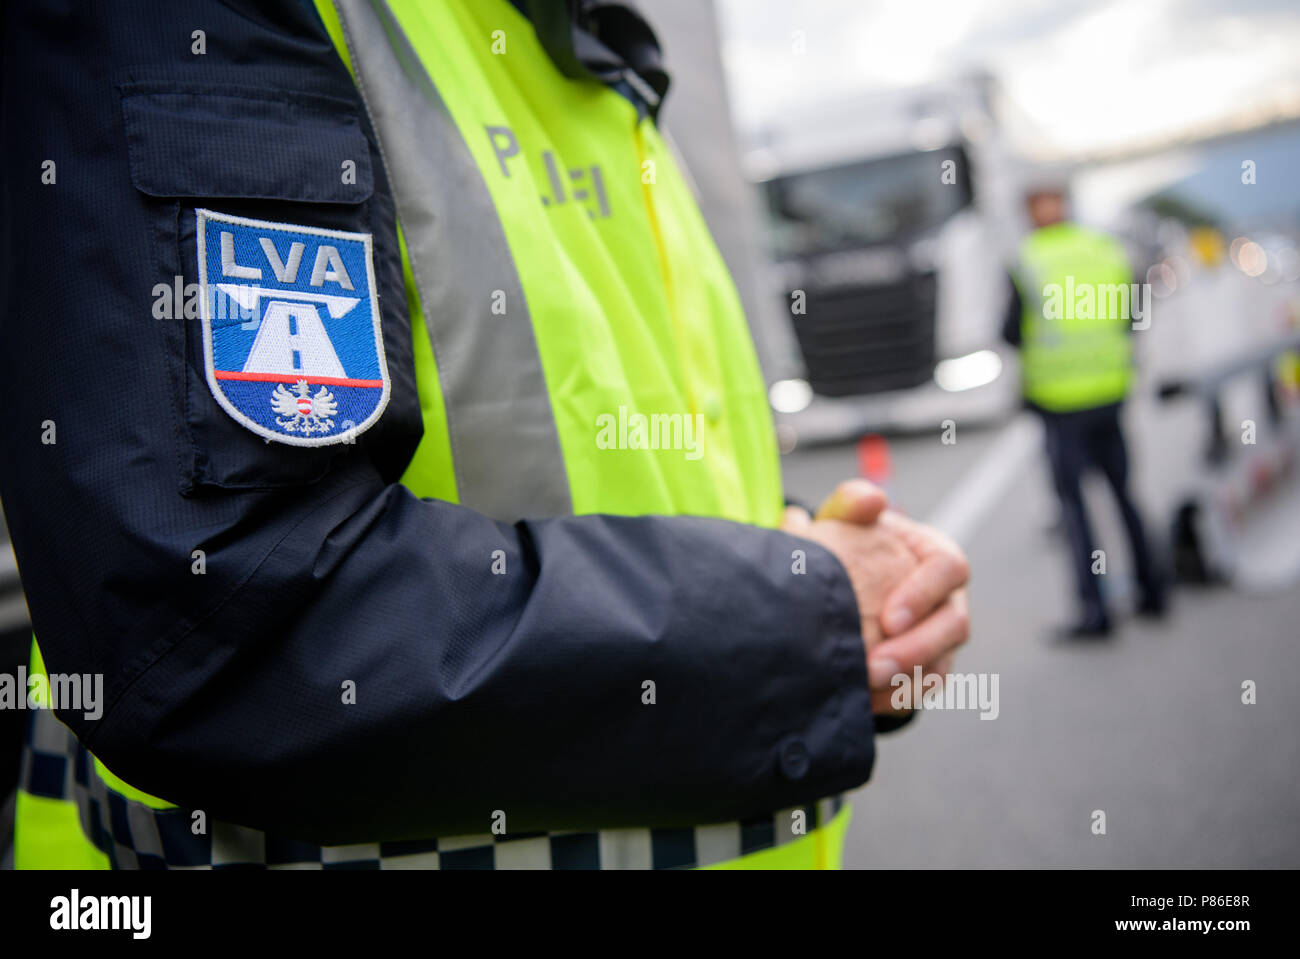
(291, 333)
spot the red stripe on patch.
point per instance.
(282, 378)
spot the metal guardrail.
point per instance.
(1208, 385)
(1212, 381)
(1203, 549)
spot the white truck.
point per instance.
(891, 223)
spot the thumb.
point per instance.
(854, 501)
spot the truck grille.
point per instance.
(867, 339)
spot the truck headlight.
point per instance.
(790, 396)
(967, 372)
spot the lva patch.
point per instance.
(291, 329)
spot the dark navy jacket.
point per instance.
(224, 690)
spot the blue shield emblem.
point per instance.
(291, 333)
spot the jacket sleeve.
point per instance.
(290, 639)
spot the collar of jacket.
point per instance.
(606, 42)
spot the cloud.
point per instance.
(1082, 75)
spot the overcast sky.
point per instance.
(1086, 74)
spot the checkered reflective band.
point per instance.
(136, 836)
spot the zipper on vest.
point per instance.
(661, 249)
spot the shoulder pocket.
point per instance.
(298, 161)
(245, 142)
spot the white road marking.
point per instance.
(964, 506)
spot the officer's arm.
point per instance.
(339, 661)
(288, 639)
(350, 667)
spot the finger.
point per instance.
(921, 539)
(942, 668)
(930, 641)
(854, 501)
(936, 577)
(795, 518)
(882, 700)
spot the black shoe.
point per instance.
(1153, 607)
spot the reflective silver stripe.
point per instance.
(532, 853)
(626, 849)
(715, 844)
(504, 441)
(135, 830)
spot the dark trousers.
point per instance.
(1075, 442)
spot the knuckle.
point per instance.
(961, 566)
(961, 624)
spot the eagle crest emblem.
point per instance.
(300, 411)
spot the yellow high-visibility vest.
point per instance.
(1077, 293)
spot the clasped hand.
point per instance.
(909, 580)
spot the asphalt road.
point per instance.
(1148, 727)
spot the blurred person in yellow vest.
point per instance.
(1072, 308)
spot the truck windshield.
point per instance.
(866, 202)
